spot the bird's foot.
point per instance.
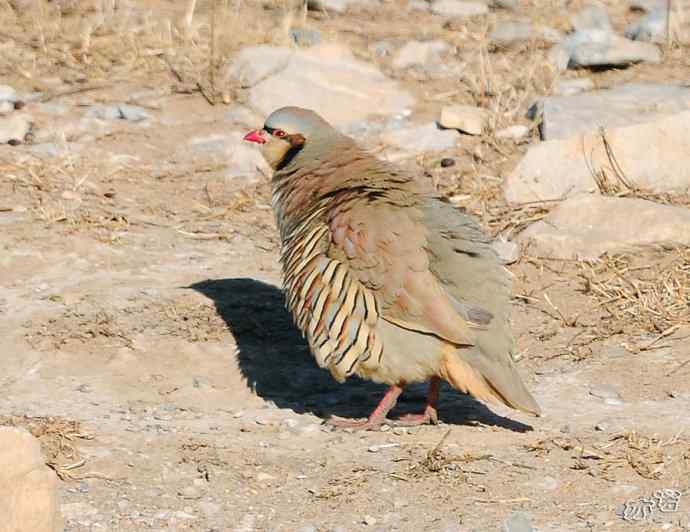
(428, 417)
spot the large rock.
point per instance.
(653, 156)
(28, 488)
(600, 48)
(587, 226)
(325, 78)
(634, 103)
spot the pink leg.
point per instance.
(430, 415)
(377, 417)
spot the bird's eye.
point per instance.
(279, 133)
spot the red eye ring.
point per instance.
(279, 133)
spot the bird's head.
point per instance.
(286, 132)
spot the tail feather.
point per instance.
(486, 380)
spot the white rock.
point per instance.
(633, 103)
(458, 8)
(508, 252)
(653, 156)
(8, 94)
(516, 132)
(465, 118)
(568, 87)
(14, 127)
(418, 53)
(28, 488)
(599, 48)
(337, 6)
(588, 225)
(325, 78)
(419, 139)
(506, 33)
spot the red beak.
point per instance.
(255, 136)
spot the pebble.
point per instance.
(201, 382)
(447, 162)
(508, 252)
(6, 107)
(568, 87)
(549, 483)
(457, 8)
(190, 492)
(14, 128)
(607, 392)
(8, 94)
(209, 508)
(369, 520)
(506, 33)
(85, 388)
(517, 522)
(378, 448)
(419, 53)
(516, 132)
(465, 118)
(305, 36)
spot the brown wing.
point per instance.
(384, 248)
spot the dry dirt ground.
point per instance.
(144, 339)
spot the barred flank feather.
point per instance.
(334, 311)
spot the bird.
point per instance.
(384, 277)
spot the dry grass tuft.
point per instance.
(640, 295)
(57, 437)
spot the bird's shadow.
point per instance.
(277, 364)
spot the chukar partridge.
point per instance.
(384, 278)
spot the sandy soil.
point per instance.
(139, 299)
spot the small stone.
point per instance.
(465, 118)
(189, 492)
(6, 107)
(507, 33)
(209, 508)
(607, 392)
(264, 477)
(85, 388)
(516, 132)
(549, 483)
(133, 113)
(568, 87)
(8, 94)
(508, 252)
(418, 5)
(610, 425)
(447, 162)
(369, 520)
(517, 522)
(419, 53)
(261, 421)
(380, 447)
(510, 5)
(458, 8)
(201, 382)
(305, 36)
(14, 128)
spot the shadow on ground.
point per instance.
(277, 364)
